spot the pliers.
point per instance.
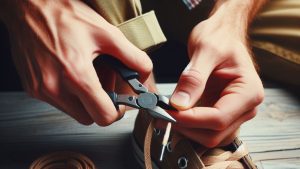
(155, 104)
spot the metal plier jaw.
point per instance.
(154, 104)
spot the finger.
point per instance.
(85, 84)
(73, 108)
(130, 55)
(212, 138)
(192, 82)
(111, 82)
(233, 103)
(229, 138)
(68, 103)
(239, 97)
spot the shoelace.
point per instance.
(212, 158)
(220, 159)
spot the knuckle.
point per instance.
(252, 114)
(220, 122)
(193, 77)
(259, 97)
(105, 121)
(49, 87)
(218, 50)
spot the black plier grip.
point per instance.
(154, 103)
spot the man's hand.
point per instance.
(54, 44)
(220, 88)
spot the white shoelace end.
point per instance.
(165, 140)
(162, 153)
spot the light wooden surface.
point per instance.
(30, 128)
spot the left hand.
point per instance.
(220, 88)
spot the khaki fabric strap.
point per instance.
(143, 31)
(116, 11)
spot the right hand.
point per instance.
(54, 44)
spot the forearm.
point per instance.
(237, 13)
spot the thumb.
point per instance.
(191, 84)
(132, 56)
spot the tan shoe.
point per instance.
(182, 153)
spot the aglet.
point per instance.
(165, 140)
(162, 153)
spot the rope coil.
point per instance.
(63, 160)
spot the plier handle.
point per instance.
(154, 103)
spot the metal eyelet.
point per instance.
(169, 148)
(182, 162)
(157, 131)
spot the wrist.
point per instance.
(232, 15)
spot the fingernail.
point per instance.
(180, 99)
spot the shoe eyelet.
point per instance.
(182, 162)
(169, 148)
(156, 131)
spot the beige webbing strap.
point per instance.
(147, 145)
(143, 31)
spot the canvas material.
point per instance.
(143, 30)
(275, 37)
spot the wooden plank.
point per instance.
(293, 163)
(275, 131)
(29, 128)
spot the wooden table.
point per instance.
(30, 128)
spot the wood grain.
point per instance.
(30, 128)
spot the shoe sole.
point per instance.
(139, 154)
